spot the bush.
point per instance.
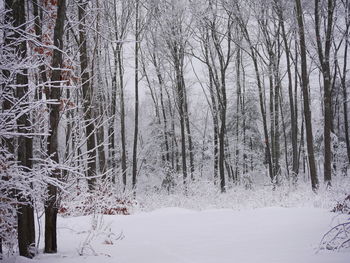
(338, 237)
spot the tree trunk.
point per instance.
(51, 206)
(222, 134)
(180, 97)
(214, 111)
(263, 114)
(238, 112)
(272, 118)
(254, 54)
(25, 211)
(100, 135)
(122, 113)
(87, 96)
(216, 128)
(294, 125)
(324, 56)
(188, 129)
(277, 90)
(343, 82)
(165, 120)
(136, 126)
(112, 124)
(305, 89)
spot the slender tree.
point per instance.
(87, 96)
(306, 99)
(324, 58)
(136, 124)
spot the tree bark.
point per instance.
(112, 125)
(87, 96)
(305, 89)
(188, 130)
(180, 99)
(100, 137)
(25, 210)
(163, 110)
(343, 81)
(51, 206)
(122, 113)
(324, 56)
(136, 124)
(294, 124)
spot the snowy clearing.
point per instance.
(179, 235)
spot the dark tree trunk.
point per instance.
(222, 133)
(38, 32)
(112, 125)
(285, 138)
(263, 114)
(343, 81)
(122, 113)
(136, 124)
(88, 97)
(272, 118)
(305, 89)
(224, 60)
(188, 130)
(277, 90)
(216, 129)
(25, 211)
(214, 110)
(165, 125)
(26, 229)
(164, 115)
(238, 112)
(324, 56)
(294, 124)
(180, 99)
(51, 206)
(174, 145)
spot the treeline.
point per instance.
(221, 90)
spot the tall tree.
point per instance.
(87, 96)
(255, 54)
(51, 205)
(174, 32)
(25, 212)
(324, 58)
(343, 73)
(136, 124)
(294, 122)
(306, 99)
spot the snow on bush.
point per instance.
(338, 237)
(105, 199)
(203, 194)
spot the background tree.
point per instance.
(305, 90)
(324, 58)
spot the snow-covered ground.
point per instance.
(167, 235)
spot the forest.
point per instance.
(143, 112)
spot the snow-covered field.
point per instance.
(167, 235)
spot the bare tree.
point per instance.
(136, 124)
(87, 96)
(324, 58)
(51, 205)
(16, 14)
(306, 100)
